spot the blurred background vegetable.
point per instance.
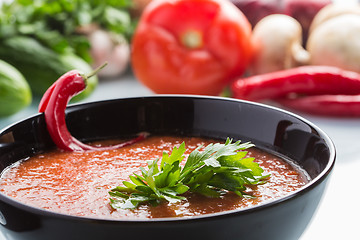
(55, 23)
(322, 90)
(277, 40)
(40, 65)
(334, 10)
(331, 53)
(15, 92)
(191, 46)
(302, 10)
(111, 48)
(43, 39)
(334, 39)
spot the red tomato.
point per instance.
(190, 46)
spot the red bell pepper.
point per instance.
(190, 46)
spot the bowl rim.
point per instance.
(224, 214)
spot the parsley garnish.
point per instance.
(215, 169)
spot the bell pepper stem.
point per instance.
(192, 39)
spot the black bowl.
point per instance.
(269, 128)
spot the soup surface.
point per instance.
(78, 183)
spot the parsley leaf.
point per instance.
(209, 171)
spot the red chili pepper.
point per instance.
(329, 105)
(315, 89)
(53, 104)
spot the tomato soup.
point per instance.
(77, 183)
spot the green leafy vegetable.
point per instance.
(209, 171)
(56, 23)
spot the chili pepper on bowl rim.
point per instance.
(322, 90)
(53, 104)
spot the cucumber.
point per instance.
(42, 66)
(15, 93)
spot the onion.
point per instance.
(111, 48)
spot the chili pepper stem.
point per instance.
(94, 72)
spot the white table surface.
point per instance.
(338, 214)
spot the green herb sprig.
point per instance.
(215, 169)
